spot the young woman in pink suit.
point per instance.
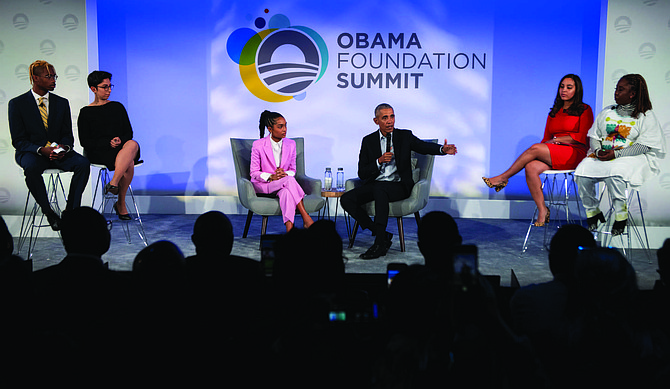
(273, 168)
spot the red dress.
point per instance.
(568, 156)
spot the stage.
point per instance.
(499, 242)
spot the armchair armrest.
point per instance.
(421, 191)
(352, 183)
(245, 189)
(309, 185)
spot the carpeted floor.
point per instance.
(499, 243)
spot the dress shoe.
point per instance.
(374, 252)
(54, 220)
(618, 227)
(125, 216)
(593, 221)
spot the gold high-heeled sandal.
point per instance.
(546, 219)
(498, 187)
(501, 186)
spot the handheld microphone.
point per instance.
(388, 142)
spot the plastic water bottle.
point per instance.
(328, 179)
(340, 178)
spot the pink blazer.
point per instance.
(263, 161)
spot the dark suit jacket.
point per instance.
(404, 142)
(27, 129)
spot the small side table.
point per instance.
(336, 194)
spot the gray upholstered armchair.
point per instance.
(268, 205)
(422, 173)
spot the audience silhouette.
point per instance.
(663, 257)
(539, 310)
(610, 343)
(79, 303)
(226, 293)
(213, 272)
(16, 289)
(216, 317)
(438, 238)
(313, 307)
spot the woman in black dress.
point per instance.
(107, 138)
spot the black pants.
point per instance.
(382, 193)
(34, 165)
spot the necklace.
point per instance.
(625, 110)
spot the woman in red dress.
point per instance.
(564, 144)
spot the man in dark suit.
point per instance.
(385, 167)
(41, 129)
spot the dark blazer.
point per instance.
(27, 129)
(404, 142)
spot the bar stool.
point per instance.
(107, 201)
(604, 231)
(559, 189)
(29, 223)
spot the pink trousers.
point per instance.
(289, 192)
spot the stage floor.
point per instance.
(499, 242)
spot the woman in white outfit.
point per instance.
(626, 142)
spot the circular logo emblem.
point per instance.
(72, 73)
(47, 47)
(20, 21)
(622, 24)
(70, 22)
(279, 63)
(664, 181)
(4, 195)
(647, 51)
(21, 72)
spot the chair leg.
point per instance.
(57, 182)
(105, 198)
(401, 233)
(264, 225)
(95, 192)
(632, 228)
(264, 228)
(417, 217)
(352, 238)
(24, 226)
(140, 225)
(248, 223)
(29, 221)
(30, 235)
(530, 226)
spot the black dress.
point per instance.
(98, 125)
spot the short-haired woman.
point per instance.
(107, 138)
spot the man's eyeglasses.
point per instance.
(105, 87)
(50, 76)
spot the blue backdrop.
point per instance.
(186, 96)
